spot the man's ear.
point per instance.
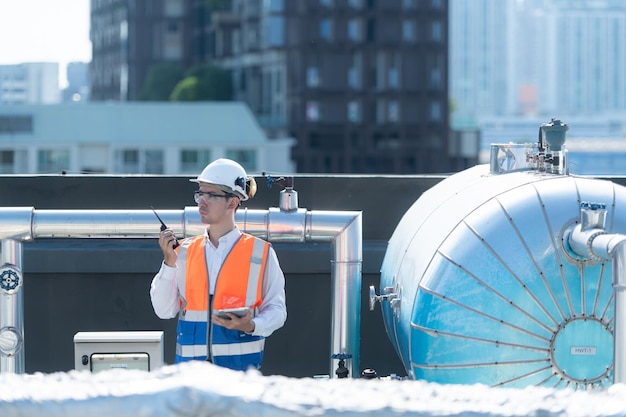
(233, 202)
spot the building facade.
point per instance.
(129, 37)
(537, 57)
(77, 89)
(134, 138)
(30, 83)
(360, 84)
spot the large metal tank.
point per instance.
(481, 285)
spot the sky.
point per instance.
(203, 389)
(44, 31)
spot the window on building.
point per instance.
(236, 42)
(312, 77)
(252, 35)
(408, 31)
(326, 29)
(246, 157)
(355, 71)
(354, 111)
(7, 162)
(355, 30)
(273, 6)
(174, 8)
(393, 111)
(172, 41)
(312, 111)
(153, 162)
(127, 161)
(354, 80)
(435, 78)
(393, 71)
(436, 31)
(436, 72)
(53, 161)
(135, 161)
(274, 31)
(435, 111)
(16, 124)
(193, 161)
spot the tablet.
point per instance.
(239, 312)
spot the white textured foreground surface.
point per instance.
(201, 389)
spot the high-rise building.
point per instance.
(77, 89)
(480, 56)
(360, 84)
(588, 48)
(128, 37)
(537, 57)
(30, 83)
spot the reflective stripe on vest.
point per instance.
(245, 348)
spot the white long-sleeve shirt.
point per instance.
(271, 314)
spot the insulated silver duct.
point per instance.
(343, 230)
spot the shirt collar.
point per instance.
(228, 239)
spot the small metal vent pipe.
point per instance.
(343, 230)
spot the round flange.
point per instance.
(582, 350)
(11, 341)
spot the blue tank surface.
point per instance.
(485, 288)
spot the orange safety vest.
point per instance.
(240, 279)
(239, 284)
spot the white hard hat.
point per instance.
(228, 176)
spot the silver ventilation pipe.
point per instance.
(590, 240)
(343, 230)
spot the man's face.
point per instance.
(213, 204)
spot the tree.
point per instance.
(160, 81)
(204, 83)
(185, 90)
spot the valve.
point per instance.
(390, 295)
(288, 199)
(342, 371)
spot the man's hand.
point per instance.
(167, 240)
(244, 324)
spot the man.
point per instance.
(221, 269)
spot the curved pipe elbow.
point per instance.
(580, 241)
(16, 223)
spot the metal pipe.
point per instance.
(11, 307)
(346, 295)
(590, 240)
(619, 288)
(343, 230)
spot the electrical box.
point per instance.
(100, 351)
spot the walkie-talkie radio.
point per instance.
(163, 227)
